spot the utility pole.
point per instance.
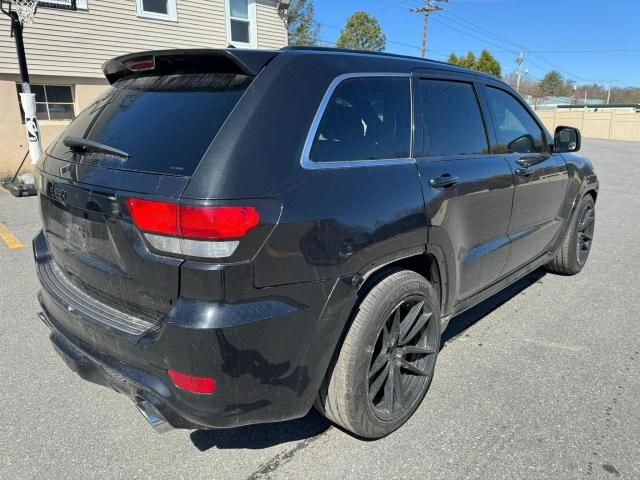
(430, 7)
(519, 61)
(610, 82)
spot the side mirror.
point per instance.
(567, 140)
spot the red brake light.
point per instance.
(151, 216)
(191, 383)
(193, 221)
(217, 222)
(141, 64)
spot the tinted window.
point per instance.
(516, 130)
(451, 119)
(165, 122)
(365, 119)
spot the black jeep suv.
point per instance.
(232, 236)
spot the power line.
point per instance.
(473, 36)
(479, 29)
(483, 31)
(503, 39)
(613, 50)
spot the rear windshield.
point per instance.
(164, 122)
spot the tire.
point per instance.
(576, 245)
(360, 393)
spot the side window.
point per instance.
(516, 130)
(367, 118)
(451, 119)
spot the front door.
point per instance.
(541, 178)
(468, 191)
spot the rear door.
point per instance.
(165, 122)
(468, 190)
(541, 178)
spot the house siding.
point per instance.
(69, 48)
(272, 32)
(63, 43)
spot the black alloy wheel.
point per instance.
(577, 243)
(387, 359)
(584, 235)
(403, 359)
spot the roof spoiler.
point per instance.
(243, 62)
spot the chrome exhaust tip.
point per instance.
(153, 416)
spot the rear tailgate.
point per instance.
(164, 119)
(96, 249)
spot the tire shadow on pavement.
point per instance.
(460, 323)
(258, 437)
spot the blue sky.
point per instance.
(587, 40)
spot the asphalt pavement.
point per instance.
(539, 382)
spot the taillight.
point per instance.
(191, 383)
(200, 231)
(158, 217)
(217, 222)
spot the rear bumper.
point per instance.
(268, 355)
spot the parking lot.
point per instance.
(542, 381)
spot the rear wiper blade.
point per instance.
(78, 144)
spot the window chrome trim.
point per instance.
(308, 164)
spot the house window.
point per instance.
(241, 23)
(53, 102)
(64, 4)
(158, 9)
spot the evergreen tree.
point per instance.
(301, 25)
(552, 83)
(487, 63)
(362, 32)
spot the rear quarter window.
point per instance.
(165, 122)
(366, 118)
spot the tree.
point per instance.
(552, 83)
(487, 63)
(469, 61)
(301, 25)
(362, 32)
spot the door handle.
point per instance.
(444, 181)
(524, 172)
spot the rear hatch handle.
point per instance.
(78, 144)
